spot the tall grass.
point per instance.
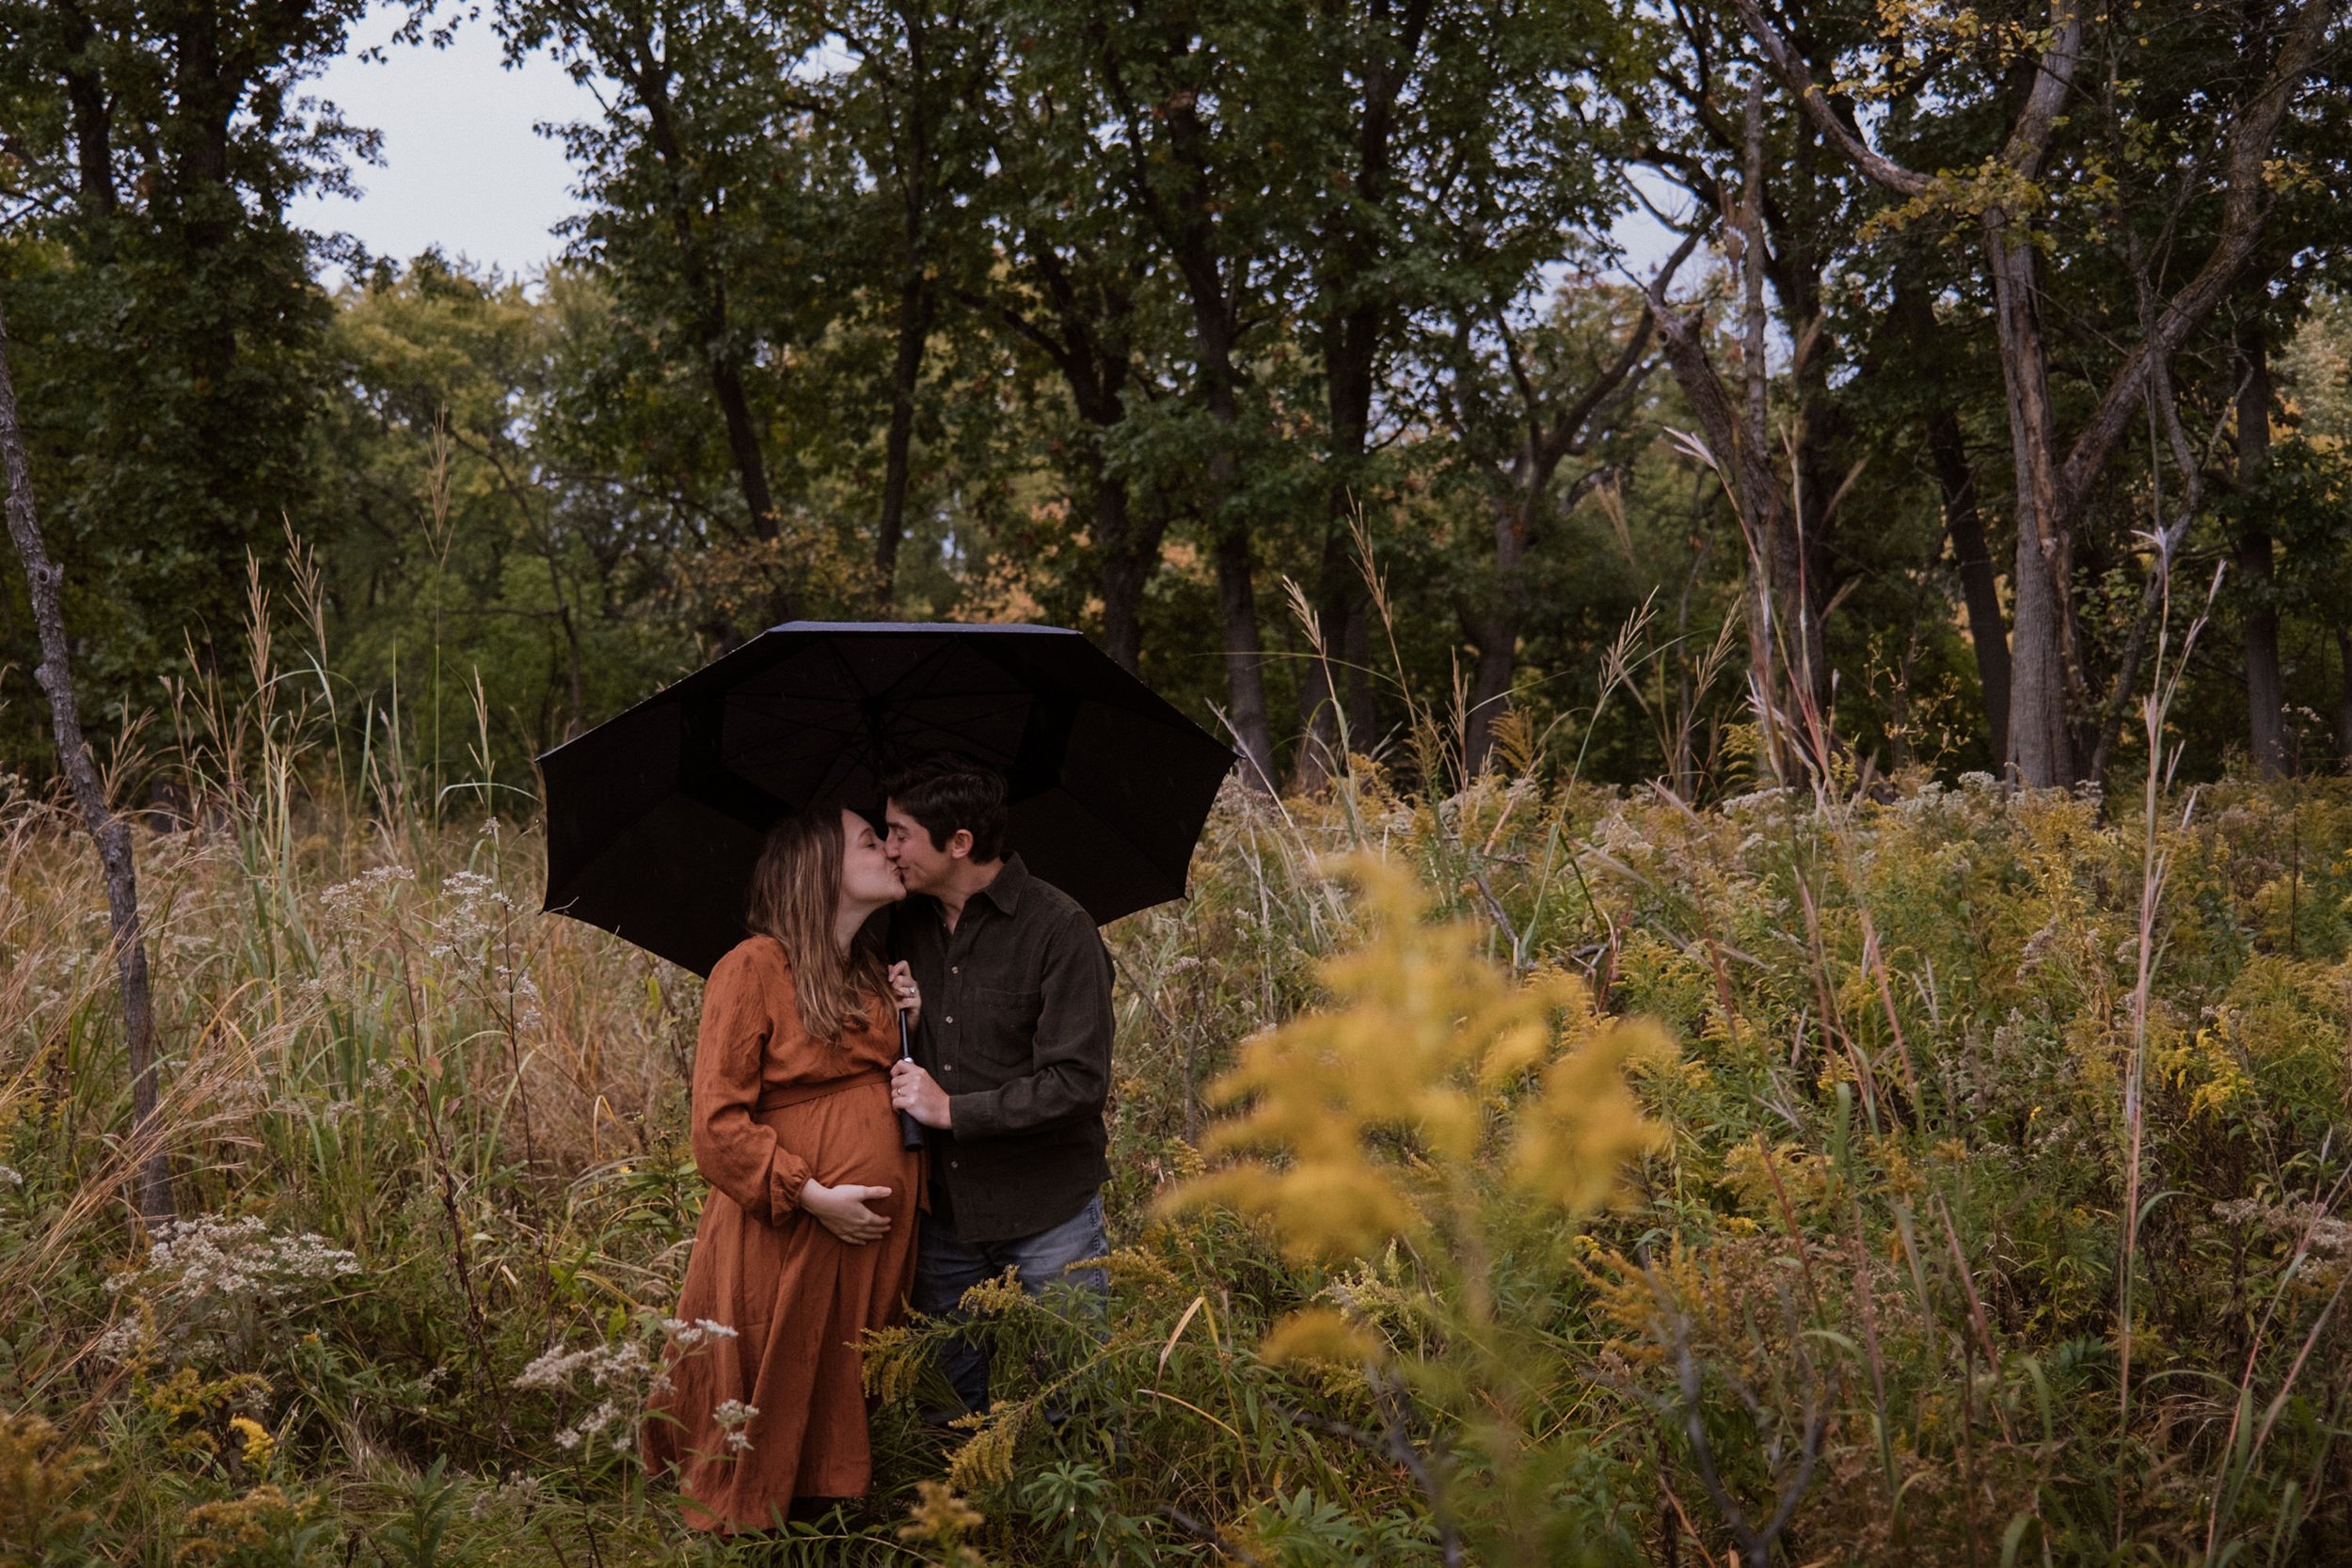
(1960, 1096)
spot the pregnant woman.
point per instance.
(808, 1238)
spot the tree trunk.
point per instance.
(1236, 572)
(1338, 685)
(1496, 633)
(2265, 687)
(1355, 661)
(1490, 690)
(1086, 336)
(1779, 670)
(1956, 477)
(735, 411)
(1761, 504)
(914, 325)
(914, 306)
(1319, 713)
(1187, 223)
(1130, 555)
(93, 117)
(110, 832)
(1351, 339)
(2041, 749)
(1245, 657)
(1521, 501)
(651, 79)
(2344, 697)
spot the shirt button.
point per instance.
(954, 970)
(952, 1166)
(951, 1018)
(951, 1067)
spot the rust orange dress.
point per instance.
(773, 1108)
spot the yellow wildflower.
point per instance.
(1374, 1105)
(256, 1437)
(1318, 1334)
(940, 1518)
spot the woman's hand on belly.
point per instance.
(842, 1210)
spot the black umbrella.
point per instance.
(655, 818)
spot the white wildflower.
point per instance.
(687, 1335)
(212, 1258)
(124, 1340)
(605, 1365)
(526, 994)
(209, 1281)
(588, 1426)
(732, 1416)
(1926, 799)
(475, 913)
(1620, 837)
(514, 1496)
(344, 901)
(2326, 1233)
(1754, 799)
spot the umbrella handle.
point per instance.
(910, 1129)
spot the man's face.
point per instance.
(925, 866)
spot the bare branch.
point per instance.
(45, 581)
(1790, 68)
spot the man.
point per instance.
(1012, 1057)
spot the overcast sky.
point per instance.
(463, 169)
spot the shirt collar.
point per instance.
(1011, 883)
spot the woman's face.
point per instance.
(868, 876)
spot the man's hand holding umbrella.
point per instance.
(918, 1094)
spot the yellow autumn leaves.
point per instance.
(1432, 1075)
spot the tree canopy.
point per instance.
(1753, 387)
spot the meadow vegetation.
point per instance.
(1673, 1109)
(1542, 1173)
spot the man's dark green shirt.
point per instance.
(1017, 1030)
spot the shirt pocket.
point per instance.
(1004, 1032)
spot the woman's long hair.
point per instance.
(794, 890)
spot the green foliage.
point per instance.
(169, 332)
(474, 542)
(1868, 1276)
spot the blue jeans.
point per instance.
(946, 1266)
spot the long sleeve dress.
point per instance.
(773, 1108)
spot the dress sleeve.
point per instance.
(735, 1153)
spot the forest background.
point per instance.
(1157, 320)
(1644, 1084)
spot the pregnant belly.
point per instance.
(851, 1137)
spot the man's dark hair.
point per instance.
(945, 791)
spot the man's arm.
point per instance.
(1071, 1049)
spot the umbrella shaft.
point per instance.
(910, 1129)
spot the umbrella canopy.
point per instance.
(656, 817)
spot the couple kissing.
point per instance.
(822, 1224)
